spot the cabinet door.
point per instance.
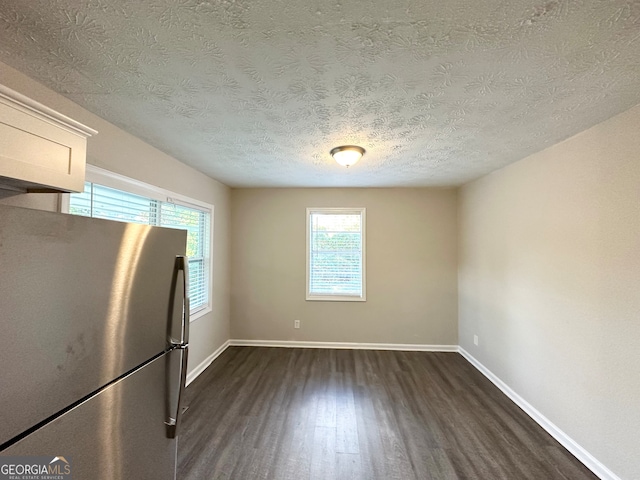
(40, 149)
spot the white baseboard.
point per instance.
(344, 345)
(567, 442)
(193, 374)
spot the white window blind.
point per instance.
(100, 201)
(335, 254)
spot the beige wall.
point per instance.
(115, 150)
(549, 280)
(411, 267)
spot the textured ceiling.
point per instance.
(256, 93)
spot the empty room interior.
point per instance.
(458, 299)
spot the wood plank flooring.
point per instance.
(297, 414)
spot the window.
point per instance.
(336, 254)
(150, 205)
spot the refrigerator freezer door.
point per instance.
(82, 301)
(118, 434)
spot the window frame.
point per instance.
(344, 211)
(110, 179)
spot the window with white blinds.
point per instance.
(336, 254)
(100, 201)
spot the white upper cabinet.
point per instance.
(41, 150)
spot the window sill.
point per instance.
(335, 298)
(199, 314)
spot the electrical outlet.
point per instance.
(296, 324)
(475, 339)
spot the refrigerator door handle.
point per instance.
(175, 394)
(178, 347)
(182, 263)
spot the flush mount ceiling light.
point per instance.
(347, 155)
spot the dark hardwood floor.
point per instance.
(297, 414)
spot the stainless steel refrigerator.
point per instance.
(94, 318)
